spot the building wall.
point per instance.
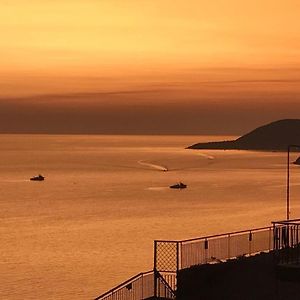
(246, 278)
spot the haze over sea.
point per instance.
(91, 224)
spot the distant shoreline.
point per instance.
(121, 134)
(275, 136)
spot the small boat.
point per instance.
(38, 178)
(179, 185)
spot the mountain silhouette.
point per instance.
(273, 136)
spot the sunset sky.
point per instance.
(162, 66)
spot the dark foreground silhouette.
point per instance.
(247, 278)
(273, 136)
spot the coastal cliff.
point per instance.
(275, 136)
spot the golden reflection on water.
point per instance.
(92, 222)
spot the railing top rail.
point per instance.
(123, 284)
(216, 235)
(287, 222)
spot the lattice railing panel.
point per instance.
(166, 254)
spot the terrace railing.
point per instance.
(287, 236)
(148, 285)
(172, 256)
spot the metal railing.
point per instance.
(145, 285)
(172, 256)
(287, 236)
(165, 285)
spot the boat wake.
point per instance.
(210, 157)
(157, 188)
(153, 166)
(15, 180)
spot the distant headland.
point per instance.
(275, 136)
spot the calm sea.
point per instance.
(91, 224)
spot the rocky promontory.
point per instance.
(275, 136)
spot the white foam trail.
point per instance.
(153, 166)
(206, 155)
(16, 180)
(157, 188)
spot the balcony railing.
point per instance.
(287, 236)
(148, 285)
(173, 256)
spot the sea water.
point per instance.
(91, 224)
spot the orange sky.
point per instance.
(199, 51)
(91, 37)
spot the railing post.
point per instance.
(180, 249)
(228, 249)
(154, 255)
(206, 250)
(270, 233)
(177, 257)
(178, 263)
(297, 244)
(155, 270)
(288, 233)
(250, 242)
(142, 286)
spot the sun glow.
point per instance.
(109, 36)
